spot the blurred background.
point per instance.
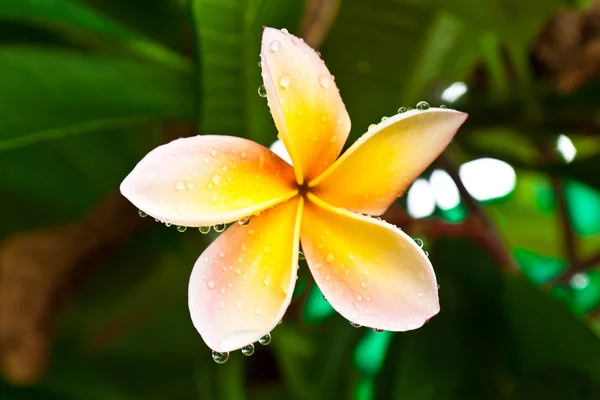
(93, 298)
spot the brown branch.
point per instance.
(37, 270)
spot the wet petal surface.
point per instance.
(371, 272)
(243, 282)
(381, 165)
(207, 180)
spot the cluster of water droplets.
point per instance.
(222, 357)
(422, 106)
(203, 229)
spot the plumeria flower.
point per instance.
(371, 272)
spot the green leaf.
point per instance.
(81, 23)
(389, 54)
(229, 36)
(56, 93)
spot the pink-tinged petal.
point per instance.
(371, 272)
(383, 163)
(207, 180)
(305, 103)
(243, 282)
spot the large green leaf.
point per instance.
(81, 23)
(57, 93)
(387, 54)
(229, 36)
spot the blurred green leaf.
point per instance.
(57, 93)
(229, 35)
(81, 23)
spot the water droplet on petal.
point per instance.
(443, 106)
(330, 258)
(211, 284)
(275, 46)
(248, 350)
(239, 305)
(422, 105)
(181, 208)
(267, 280)
(324, 81)
(265, 340)
(181, 228)
(214, 153)
(216, 178)
(355, 325)
(419, 242)
(318, 53)
(350, 256)
(402, 110)
(363, 285)
(244, 221)
(285, 30)
(358, 297)
(180, 184)
(220, 358)
(377, 330)
(383, 118)
(371, 127)
(419, 294)
(301, 255)
(204, 229)
(257, 310)
(285, 81)
(142, 214)
(219, 227)
(262, 92)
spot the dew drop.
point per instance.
(355, 325)
(383, 118)
(219, 227)
(257, 310)
(180, 184)
(350, 256)
(167, 224)
(216, 179)
(358, 297)
(419, 242)
(248, 350)
(260, 64)
(419, 294)
(318, 266)
(377, 330)
(244, 221)
(262, 92)
(239, 305)
(265, 340)
(422, 105)
(371, 127)
(275, 46)
(204, 229)
(142, 214)
(402, 110)
(181, 208)
(318, 53)
(181, 228)
(211, 284)
(330, 258)
(214, 153)
(285, 30)
(238, 271)
(363, 285)
(301, 255)
(324, 118)
(267, 280)
(324, 81)
(285, 81)
(220, 358)
(443, 106)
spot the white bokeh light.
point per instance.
(444, 190)
(454, 92)
(488, 178)
(279, 148)
(420, 201)
(566, 148)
